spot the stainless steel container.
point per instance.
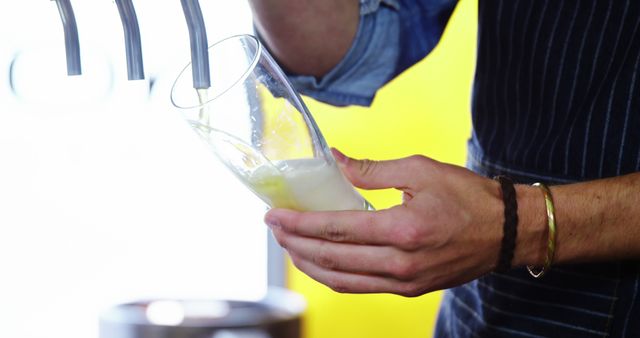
(278, 315)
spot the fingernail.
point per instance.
(340, 157)
(272, 221)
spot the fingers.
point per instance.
(346, 282)
(354, 258)
(373, 228)
(369, 174)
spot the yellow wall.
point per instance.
(424, 111)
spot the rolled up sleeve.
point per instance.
(368, 64)
(391, 36)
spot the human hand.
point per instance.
(447, 230)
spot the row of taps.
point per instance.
(133, 47)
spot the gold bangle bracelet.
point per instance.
(551, 242)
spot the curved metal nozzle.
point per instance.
(71, 41)
(198, 39)
(135, 68)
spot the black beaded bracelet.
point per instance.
(510, 227)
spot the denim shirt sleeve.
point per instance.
(392, 35)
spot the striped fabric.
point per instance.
(557, 89)
(556, 99)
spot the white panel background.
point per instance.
(105, 193)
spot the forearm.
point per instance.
(307, 37)
(596, 221)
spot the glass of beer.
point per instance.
(258, 126)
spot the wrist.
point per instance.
(531, 243)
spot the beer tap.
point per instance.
(199, 44)
(135, 69)
(71, 43)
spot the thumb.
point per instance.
(369, 174)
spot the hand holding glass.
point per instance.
(258, 126)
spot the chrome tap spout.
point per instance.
(198, 40)
(135, 68)
(71, 42)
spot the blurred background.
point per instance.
(107, 196)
